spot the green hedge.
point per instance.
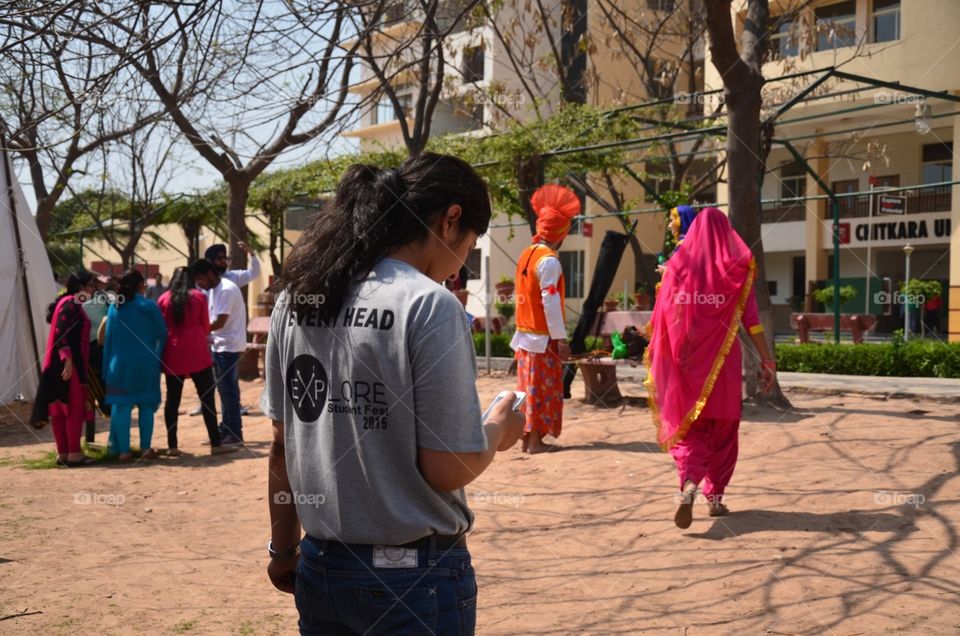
(918, 358)
(500, 344)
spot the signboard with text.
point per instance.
(891, 204)
(917, 229)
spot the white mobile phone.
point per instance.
(517, 403)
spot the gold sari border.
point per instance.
(694, 413)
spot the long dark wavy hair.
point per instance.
(375, 211)
(75, 282)
(180, 285)
(129, 285)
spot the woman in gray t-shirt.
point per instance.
(371, 386)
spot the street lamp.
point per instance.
(907, 250)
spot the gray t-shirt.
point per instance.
(396, 370)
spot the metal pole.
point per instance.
(869, 262)
(905, 296)
(486, 323)
(836, 269)
(21, 265)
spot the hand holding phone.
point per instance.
(507, 410)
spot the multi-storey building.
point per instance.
(870, 141)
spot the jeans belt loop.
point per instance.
(432, 551)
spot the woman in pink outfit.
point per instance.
(187, 353)
(694, 359)
(62, 397)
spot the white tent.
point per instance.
(26, 288)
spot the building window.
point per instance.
(937, 163)
(782, 39)
(473, 264)
(886, 20)
(473, 65)
(385, 112)
(395, 12)
(888, 181)
(661, 5)
(848, 205)
(572, 263)
(793, 181)
(836, 25)
(658, 178)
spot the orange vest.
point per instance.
(530, 315)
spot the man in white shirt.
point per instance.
(217, 254)
(228, 340)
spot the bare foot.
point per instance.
(718, 510)
(537, 445)
(684, 515)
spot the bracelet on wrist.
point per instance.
(770, 364)
(283, 555)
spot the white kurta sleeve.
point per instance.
(243, 276)
(548, 273)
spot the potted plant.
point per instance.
(506, 310)
(462, 295)
(611, 303)
(641, 298)
(827, 297)
(505, 288)
(623, 303)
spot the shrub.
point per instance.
(499, 345)
(917, 358)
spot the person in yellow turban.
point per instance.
(540, 341)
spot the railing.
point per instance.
(920, 199)
(779, 212)
(918, 202)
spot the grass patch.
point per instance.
(184, 627)
(98, 453)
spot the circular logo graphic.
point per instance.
(307, 387)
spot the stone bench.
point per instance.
(856, 324)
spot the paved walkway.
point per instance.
(921, 388)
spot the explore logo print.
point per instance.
(307, 387)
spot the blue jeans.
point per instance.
(228, 385)
(339, 591)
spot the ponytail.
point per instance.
(130, 284)
(374, 212)
(180, 285)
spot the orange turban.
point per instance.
(554, 206)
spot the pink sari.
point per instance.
(695, 321)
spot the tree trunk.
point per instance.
(238, 190)
(573, 53)
(529, 178)
(641, 275)
(742, 81)
(276, 238)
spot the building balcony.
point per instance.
(920, 200)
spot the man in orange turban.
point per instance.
(540, 341)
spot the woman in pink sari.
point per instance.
(694, 359)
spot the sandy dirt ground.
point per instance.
(844, 521)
